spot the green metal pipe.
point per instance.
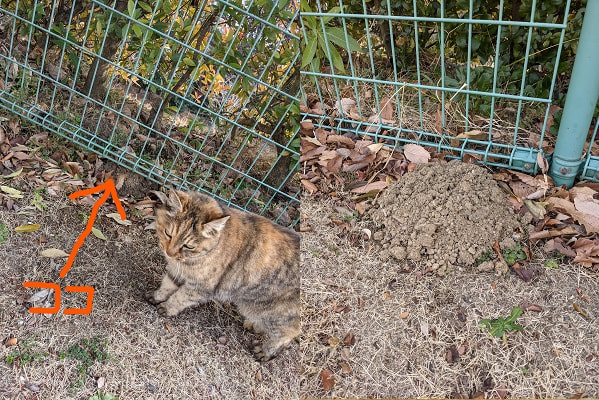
(581, 100)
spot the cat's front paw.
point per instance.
(150, 298)
(263, 353)
(165, 311)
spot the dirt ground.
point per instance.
(131, 352)
(383, 332)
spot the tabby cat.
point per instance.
(222, 254)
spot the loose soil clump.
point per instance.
(443, 215)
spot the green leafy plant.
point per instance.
(3, 233)
(488, 255)
(86, 352)
(551, 263)
(38, 200)
(321, 43)
(103, 396)
(498, 326)
(511, 256)
(25, 353)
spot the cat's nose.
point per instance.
(171, 252)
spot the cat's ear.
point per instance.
(175, 198)
(214, 227)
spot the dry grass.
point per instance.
(557, 354)
(149, 357)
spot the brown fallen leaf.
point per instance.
(338, 308)
(117, 218)
(416, 153)
(307, 125)
(361, 207)
(521, 189)
(584, 200)
(567, 230)
(386, 107)
(558, 245)
(536, 208)
(452, 355)
(310, 187)
(497, 250)
(581, 295)
(53, 253)
(525, 274)
(470, 158)
(259, 376)
(308, 140)
(327, 379)
(471, 135)
(345, 105)
(501, 390)
(589, 221)
(580, 311)
(587, 247)
(341, 140)
(531, 307)
(586, 260)
(404, 315)
(349, 339)
(379, 185)
(529, 180)
(10, 342)
(345, 368)
(542, 162)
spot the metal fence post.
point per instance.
(581, 99)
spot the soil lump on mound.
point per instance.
(442, 215)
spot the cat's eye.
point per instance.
(168, 235)
(188, 247)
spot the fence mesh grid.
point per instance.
(201, 94)
(480, 79)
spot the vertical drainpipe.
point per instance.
(581, 99)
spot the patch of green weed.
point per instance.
(103, 396)
(498, 326)
(86, 352)
(511, 256)
(38, 200)
(25, 353)
(551, 263)
(3, 232)
(488, 255)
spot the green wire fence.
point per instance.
(200, 94)
(479, 79)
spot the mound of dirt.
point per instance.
(443, 215)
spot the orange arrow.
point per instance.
(109, 189)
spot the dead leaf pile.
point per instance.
(361, 165)
(567, 219)
(41, 162)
